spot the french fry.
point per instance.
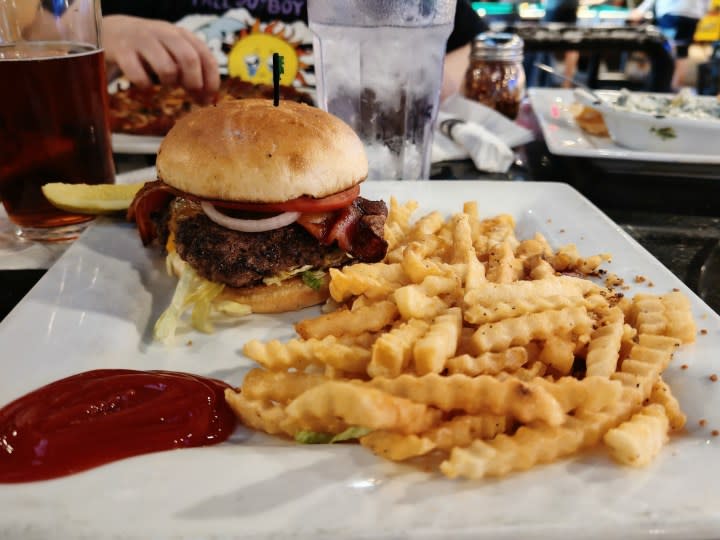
(522, 330)
(662, 395)
(375, 281)
(637, 441)
(568, 259)
(426, 225)
(537, 246)
(489, 363)
(667, 315)
(463, 430)
(527, 402)
(273, 418)
(462, 245)
(392, 352)
(358, 321)
(475, 274)
(679, 318)
(364, 340)
(359, 405)
(558, 352)
(590, 394)
(397, 224)
(278, 386)
(647, 314)
(647, 360)
(604, 347)
(470, 208)
(503, 266)
(498, 230)
(275, 355)
(439, 343)
(538, 268)
(527, 292)
(418, 267)
(400, 213)
(422, 301)
(525, 374)
(395, 446)
(532, 445)
(299, 354)
(481, 314)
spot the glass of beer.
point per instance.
(53, 110)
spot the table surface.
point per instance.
(675, 217)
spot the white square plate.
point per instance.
(565, 138)
(95, 309)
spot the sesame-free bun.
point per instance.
(289, 295)
(249, 150)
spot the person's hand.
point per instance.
(143, 47)
(636, 16)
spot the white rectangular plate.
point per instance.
(565, 138)
(95, 309)
(125, 143)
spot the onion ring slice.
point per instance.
(249, 225)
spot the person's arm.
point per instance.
(639, 12)
(467, 25)
(143, 48)
(456, 64)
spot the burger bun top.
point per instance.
(249, 150)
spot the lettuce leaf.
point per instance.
(198, 294)
(315, 437)
(285, 274)
(353, 432)
(313, 279)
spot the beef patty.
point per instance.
(242, 259)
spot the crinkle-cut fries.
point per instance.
(492, 353)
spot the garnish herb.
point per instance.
(664, 133)
(312, 279)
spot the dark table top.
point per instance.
(673, 212)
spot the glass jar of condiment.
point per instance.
(495, 76)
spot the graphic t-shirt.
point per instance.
(244, 34)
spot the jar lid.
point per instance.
(497, 46)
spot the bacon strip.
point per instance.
(357, 229)
(153, 197)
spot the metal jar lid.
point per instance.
(498, 46)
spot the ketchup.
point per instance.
(105, 415)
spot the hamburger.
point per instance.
(258, 202)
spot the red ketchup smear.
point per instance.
(105, 415)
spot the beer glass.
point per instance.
(53, 110)
(379, 67)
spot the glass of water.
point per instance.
(379, 68)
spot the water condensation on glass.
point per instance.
(381, 12)
(380, 70)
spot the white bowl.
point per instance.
(649, 132)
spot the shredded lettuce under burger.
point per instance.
(287, 274)
(197, 294)
(313, 279)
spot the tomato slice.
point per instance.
(301, 204)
